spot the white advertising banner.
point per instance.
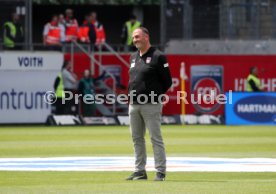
(21, 60)
(22, 86)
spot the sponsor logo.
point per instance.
(206, 86)
(148, 59)
(259, 108)
(206, 90)
(30, 61)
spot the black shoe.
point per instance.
(160, 176)
(139, 175)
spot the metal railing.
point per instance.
(74, 47)
(231, 19)
(96, 62)
(112, 51)
(248, 20)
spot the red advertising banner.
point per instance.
(201, 74)
(235, 71)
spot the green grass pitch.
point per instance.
(190, 141)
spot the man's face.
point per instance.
(86, 74)
(139, 39)
(255, 71)
(61, 17)
(89, 19)
(55, 19)
(69, 13)
(69, 66)
(94, 15)
(132, 21)
(15, 18)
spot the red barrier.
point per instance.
(235, 69)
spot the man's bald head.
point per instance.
(140, 37)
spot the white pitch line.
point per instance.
(174, 164)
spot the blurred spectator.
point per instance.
(61, 23)
(128, 28)
(71, 26)
(253, 82)
(69, 80)
(59, 91)
(65, 81)
(13, 33)
(100, 32)
(83, 33)
(52, 34)
(87, 32)
(87, 87)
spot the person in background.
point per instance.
(127, 31)
(59, 92)
(100, 32)
(83, 32)
(87, 32)
(13, 33)
(92, 32)
(52, 34)
(61, 23)
(70, 86)
(87, 87)
(253, 83)
(71, 26)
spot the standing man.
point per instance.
(83, 33)
(100, 32)
(127, 31)
(87, 32)
(87, 87)
(70, 81)
(13, 33)
(149, 73)
(71, 26)
(253, 82)
(53, 34)
(59, 91)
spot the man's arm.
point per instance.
(69, 76)
(164, 73)
(124, 35)
(19, 36)
(62, 32)
(100, 77)
(80, 87)
(103, 33)
(253, 86)
(57, 81)
(45, 32)
(92, 33)
(8, 33)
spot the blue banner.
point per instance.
(249, 108)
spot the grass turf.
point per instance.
(209, 141)
(113, 183)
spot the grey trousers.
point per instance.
(142, 117)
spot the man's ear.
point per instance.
(147, 36)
